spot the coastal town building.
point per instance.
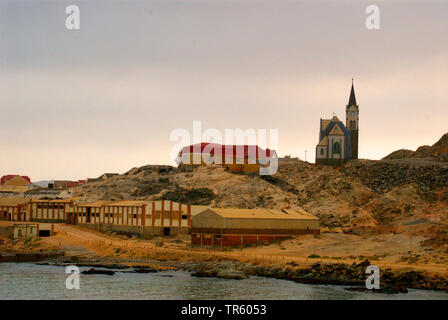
(47, 193)
(15, 180)
(50, 210)
(14, 209)
(139, 216)
(234, 227)
(338, 142)
(14, 185)
(235, 158)
(102, 177)
(23, 231)
(66, 184)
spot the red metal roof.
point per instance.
(215, 149)
(72, 184)
(10, 176)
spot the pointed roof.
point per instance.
(335, 118)
(336, 130)
(325, 123)
(324, 141)
(17, 181)
(352, 100)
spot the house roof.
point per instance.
(324, 141)
(15, 180)
(236, 213)
(335, 118)
(229, 150)
(325, 123)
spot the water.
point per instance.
(30, 281)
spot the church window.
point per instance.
(336, 148)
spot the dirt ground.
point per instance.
(392, 251)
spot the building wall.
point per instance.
(354, 144)
(331, 140)
(352, 124)
(48, 211)
(208, 219)
(232, 240)
(238, 166)
(139, 215)
(211, 229)
(14, 213)
(25, 231)
(324, 154)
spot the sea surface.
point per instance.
(31, 281)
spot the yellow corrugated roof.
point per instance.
(8, 201)
(98, 203)
(195, 209)
(262, 214)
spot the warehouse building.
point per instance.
(234, 227)
(140, 217)
(235, 158)
(50, 210)
(14, 209)
(135, 213)
(25, 209)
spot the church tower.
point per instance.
(352, 122)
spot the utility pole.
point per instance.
(305, 155)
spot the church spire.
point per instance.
(352, 100)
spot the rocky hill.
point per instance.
(438, 152)
(385, 195)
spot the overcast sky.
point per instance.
(105, 98)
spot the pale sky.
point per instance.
(105, 98)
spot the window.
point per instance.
(321, 151)
(336, 148)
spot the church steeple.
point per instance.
(352, 122)
(352, 100)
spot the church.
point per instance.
(338, 142)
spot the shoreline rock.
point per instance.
(30, 256)
(98, 271)
(319, 273)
